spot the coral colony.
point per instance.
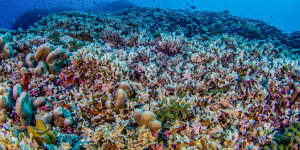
(149, 79)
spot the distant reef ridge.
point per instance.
(190, 23)
(29, 17)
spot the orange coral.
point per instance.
(25, 81)
(67, 79)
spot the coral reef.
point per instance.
(148, 79)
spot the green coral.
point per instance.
(38, 137)
(41, 134)
(217, 90)
(172, 112)
(286, 139)
(181, 94)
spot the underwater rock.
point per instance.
(294, 40)
(28, 18)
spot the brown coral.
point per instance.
(146, 117)
(154, 125)
(8, 51)
(121, 97)
(42, 52)
(295, 96)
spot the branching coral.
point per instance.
(171, 45)
(112, 37)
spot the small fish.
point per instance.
(193, 7)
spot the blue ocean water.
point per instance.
(282, 14)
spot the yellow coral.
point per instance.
(41, 134)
